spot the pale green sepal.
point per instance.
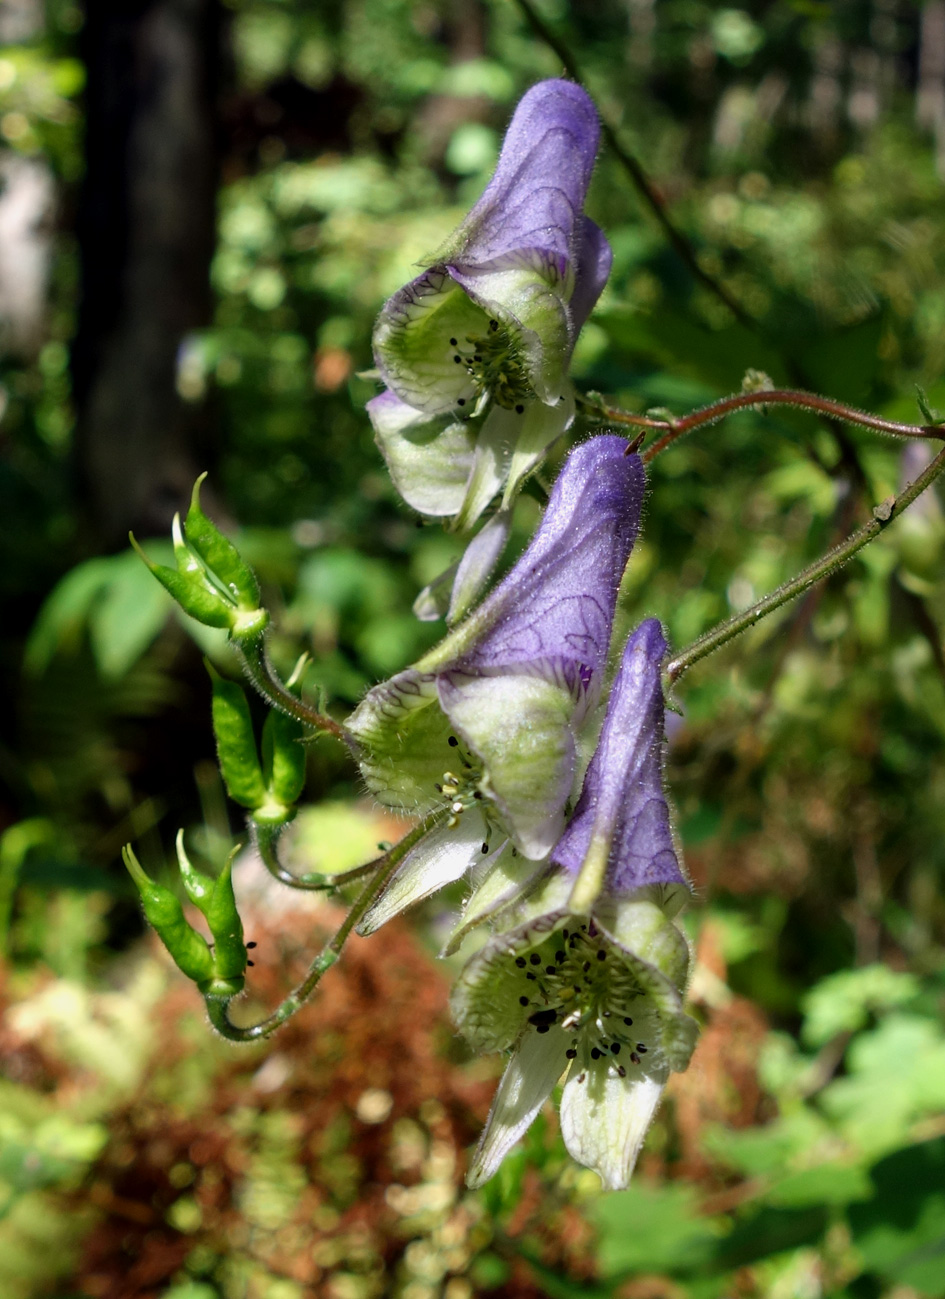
(676, 1032)
(604, 1119)
(402, 742)
(520, 727)
(507, 879)
(490, 464)
(434, 600)
(440, 857)
(527, 1083)
(639, 925)
(485, 1001)
(429, 458)
(476, 567)
(540, 426)
(536, 316)
(411, 342)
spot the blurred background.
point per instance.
(202, 207)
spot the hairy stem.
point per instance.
(266, 840)
(218, 1007)
(740, 401)
(883, 514)
(262, 674)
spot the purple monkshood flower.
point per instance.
(482, 732)
(588, 972)
(622, 812)
(475, 351)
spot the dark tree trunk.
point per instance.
(146, 233)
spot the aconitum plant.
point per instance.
(521, 771)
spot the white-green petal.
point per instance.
(536, 315)
(520, 726)
(485, 1000)
(441, 857)
(434, 600)
(429, 457)
(490, 464)
(640, 925)
(477, 565)
(529, 1078)
(540, 426)
(677, 1032)
(604, 1119)
(506, 879)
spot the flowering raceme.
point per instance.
(590, 971)
(475, 351)
(480, 734)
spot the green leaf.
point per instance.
(127, 616)
(652, 1229)
(900, 1233)
(826, 1184)
(771, 1231)
(843, 1002)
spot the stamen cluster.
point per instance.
(495, 367)
(576, 981)
(460, 792)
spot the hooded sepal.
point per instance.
(621, 818)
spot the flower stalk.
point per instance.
(673, 429)
(883, 515)
(218, 1006)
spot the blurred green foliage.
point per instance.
(799, 148)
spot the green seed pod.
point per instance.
(189, 951)
(220, 555)
(229, 951)
(236, 743)
(283, 758)
(192, 593)
(199, 887)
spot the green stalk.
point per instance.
(883, 515)
(218, 1007)
(266, 839)
(717, 410)
(264, 677)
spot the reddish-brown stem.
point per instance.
(776, 397)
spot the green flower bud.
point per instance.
(217, 903)
(189, 950)
(192, 594)
(229, 952)
(236, 743)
